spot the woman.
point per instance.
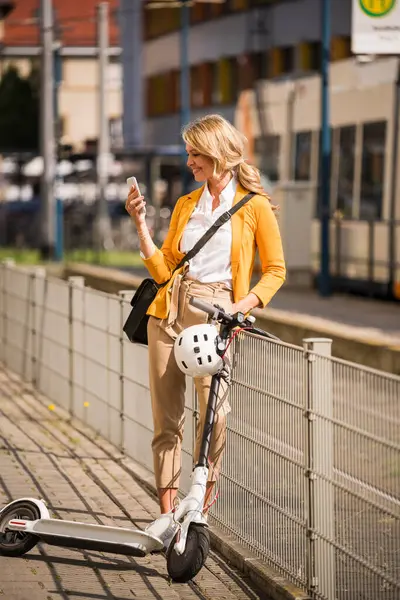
(220, 273)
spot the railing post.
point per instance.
(76, 288)
(124, 297)
(320, 463)
(6, 263)
(38, 275)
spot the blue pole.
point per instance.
(185, 83)
(325, 154)
(131, 32)
(59, 214)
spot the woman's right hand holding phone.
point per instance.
(136, 206)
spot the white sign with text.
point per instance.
(376, 27)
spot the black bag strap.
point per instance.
(224, 218)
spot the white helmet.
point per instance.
(195, 351)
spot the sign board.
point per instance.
(376, 27)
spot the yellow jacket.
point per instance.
(254, 225)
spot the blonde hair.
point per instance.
(214, 137)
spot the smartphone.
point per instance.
(132, 181)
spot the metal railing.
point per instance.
(364, 255)
(311, 477)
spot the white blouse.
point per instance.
(213, 262)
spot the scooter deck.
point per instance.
(71, 534)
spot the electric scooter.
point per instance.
(182, 533)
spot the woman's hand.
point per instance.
(135, 205)
(246, 304)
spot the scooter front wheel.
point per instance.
(183, 567)
(17, 543)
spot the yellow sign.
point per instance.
(377, 8)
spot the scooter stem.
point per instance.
(209, 421)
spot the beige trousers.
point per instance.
(168, 384)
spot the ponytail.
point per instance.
(249, 178)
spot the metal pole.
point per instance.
(185, 82)
(104, 240)
(290, 166)
(59, 238)
(320, 469)
(131, 27)
(47, 131)
(393, 214)
(325, 155)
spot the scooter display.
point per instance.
(182, 533)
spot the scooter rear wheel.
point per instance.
(17, 543)
(183, 567)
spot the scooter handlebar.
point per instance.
(231, 320)
(213, 311)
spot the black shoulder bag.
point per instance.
(135, 326)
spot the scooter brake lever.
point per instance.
(218, 307)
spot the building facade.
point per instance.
(231, 46)
(76, 33)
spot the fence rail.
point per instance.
(311, 472)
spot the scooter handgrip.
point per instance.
(204, 306)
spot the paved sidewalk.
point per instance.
(83, 477)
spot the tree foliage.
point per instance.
(19, 111)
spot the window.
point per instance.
(266, 150)
(309, 56)
(216, 94)
(347, 144)
(281, 61)
(288, 59)
(259, 61)
(373, 170)
(157, 98)
(149, 96)
(172, 87)
(319, 150)
(207, 82)
(234, 77)
(198, 12)
(227, 80)
(302, 156)
(176, 86)
(315, 56)
(196, 87)
(161, 21)
(237, 5)
(245, 72)
(201, 85)
(217, 9)
(340, 48)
